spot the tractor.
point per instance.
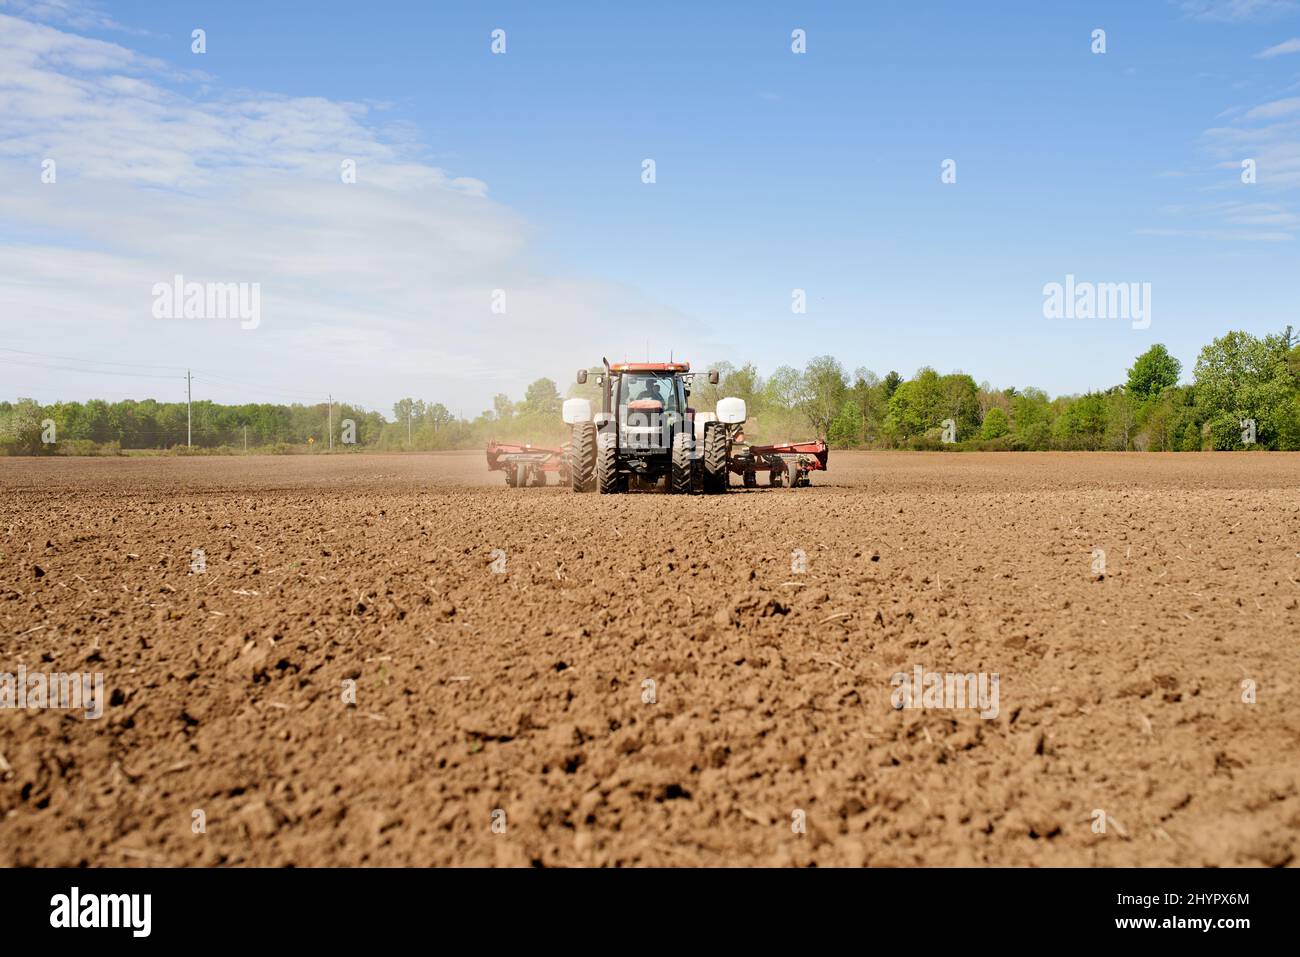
(645, 434)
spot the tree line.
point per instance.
(1244, 393)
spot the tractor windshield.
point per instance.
(642, 387)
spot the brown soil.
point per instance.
(523, 691)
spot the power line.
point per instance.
(104, 362)
(229, 383)
(204, 375)
(134, 375)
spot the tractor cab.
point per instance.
(650, 403)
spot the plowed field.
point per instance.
(398, 660)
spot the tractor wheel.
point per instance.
(607, 477)
(680, 481)
(715, 458)
(582, 457)
(792, 475)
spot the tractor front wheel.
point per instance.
(582, 457)
(608, 481)
(683, 465)
(715, 458)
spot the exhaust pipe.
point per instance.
(605, 394)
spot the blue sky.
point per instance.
(521, 171)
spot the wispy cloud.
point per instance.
(1271, 111)
(381, 287)
(1287, 46)
(1238, 10)
(76, 14)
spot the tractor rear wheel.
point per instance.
(683, 465)
(607, 477)
(715, 458)
(582, 457)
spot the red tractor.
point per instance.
(646, 434)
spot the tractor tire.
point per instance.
(681, 479)
(582, 457)
(792, 475)
(715, 458)
(607, 477)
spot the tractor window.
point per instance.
(634, 388)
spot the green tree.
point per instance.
(785, 388)
(1153, 372)
(23, 431)
(916, 406)
(1239, 376)
(1121, 419)
(542, 398)
(502, 407)
(825, 389)
(867, 394)
(846, 431)
(995, 424)
(743, 383)
(1031, 420)
(961, 403)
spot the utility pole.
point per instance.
(331, 422)
(189, 429)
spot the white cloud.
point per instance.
(1219, 235)
(1288, 46)
(373, 290)
(1269, 111)
(76, 14)
(1237, 10)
